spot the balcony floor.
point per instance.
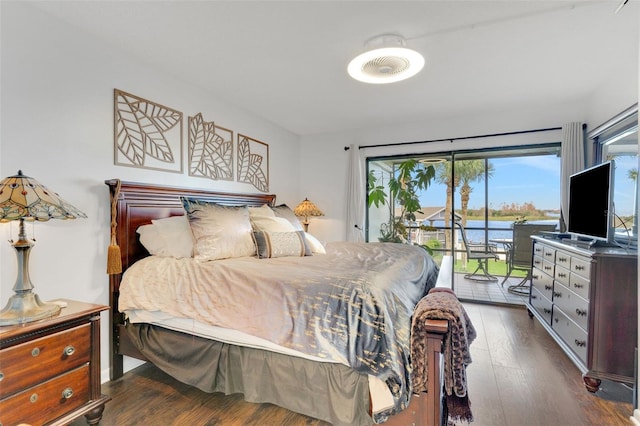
(487, 292)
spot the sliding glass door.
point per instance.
(480, 193)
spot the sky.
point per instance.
(534, 179)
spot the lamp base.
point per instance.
(25, 307)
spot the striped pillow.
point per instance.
(281, 244)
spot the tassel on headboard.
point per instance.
(114, 261)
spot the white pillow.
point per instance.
(314, 244)
(220, 232)
(271, 224)
(262, 211)
(169, 237)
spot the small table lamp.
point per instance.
(305, 209)
(24, 198)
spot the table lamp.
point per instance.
(24, 198)
(305, 209)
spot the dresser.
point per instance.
(586, 298)
(50, 369)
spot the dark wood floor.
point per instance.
(519, 376)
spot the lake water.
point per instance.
(477, 235)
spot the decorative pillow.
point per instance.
(314, 244)
(280, 244)
(169, 237)
(220, 232)
(262, 211)
(271, 224)
(285, 212)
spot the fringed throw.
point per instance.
(444, 305)
(114, 261)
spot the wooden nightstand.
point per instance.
(50, 369)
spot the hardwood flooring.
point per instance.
(519, 377)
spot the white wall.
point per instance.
(57, 126)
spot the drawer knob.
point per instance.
(35, 352)
(69, 350)
(67, 393)
(33, 398)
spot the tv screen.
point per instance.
(591, 202)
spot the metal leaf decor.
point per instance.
(252, 167)
(146, 134)
(210, 149)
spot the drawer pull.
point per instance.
(580, 343)
(556, 294)
(548, 287)
(562, 259)
(67, 393)
(581, 312)
(547, 268)
(35, 352)
(533, 297)
(548, 254)
(562, 274)
(69, 350)
(579, 267)
(547, 310)
(33, 398)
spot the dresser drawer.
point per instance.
(570, 333)
(541, 304)
(47, 401)
(537, 261)
(563, 259)
(32, 362)
(562, 275)
(549, 254)
(581, 267)
(542, 282)
(572, 305)
(548, 268)
(579, 285)
(538, 249)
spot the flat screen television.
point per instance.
(591, 203)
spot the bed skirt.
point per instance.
(331, 392)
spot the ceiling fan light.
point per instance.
(386, 64)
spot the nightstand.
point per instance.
(50, 369)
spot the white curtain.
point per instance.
(355, 195)
(572, 160)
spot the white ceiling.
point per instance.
(286, 61)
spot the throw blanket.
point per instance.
(443, 304)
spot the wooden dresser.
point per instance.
(50, 369)
(586, 298)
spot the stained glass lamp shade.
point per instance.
(307, 209)
(24, 198)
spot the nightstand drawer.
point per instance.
(24, 365)
(47, 401)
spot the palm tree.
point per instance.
(470, 171)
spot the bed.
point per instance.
(357, 384)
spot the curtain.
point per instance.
(355, 195)
(572, 156)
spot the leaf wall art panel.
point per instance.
(146, 134)
(253, 162)
(210, 149)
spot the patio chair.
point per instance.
(481, 252)
(520, 253)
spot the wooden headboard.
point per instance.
(137, 204)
